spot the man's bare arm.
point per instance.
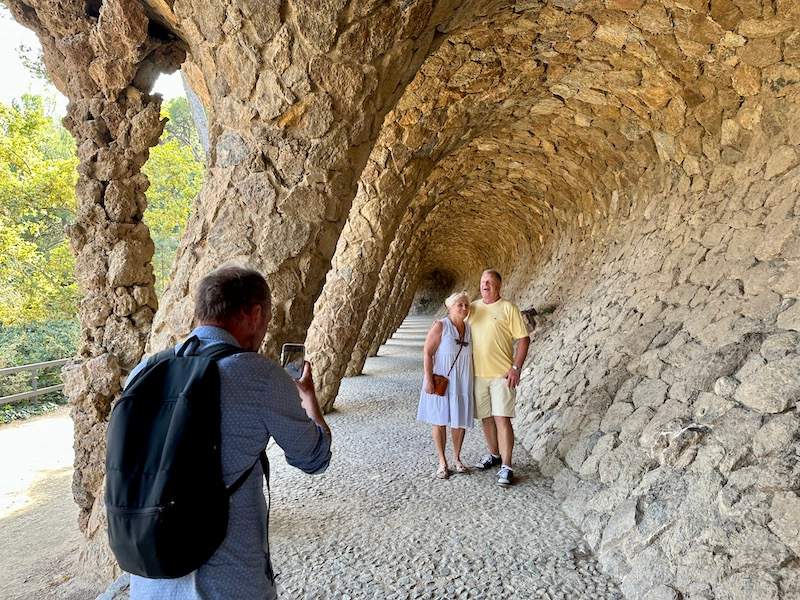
(512, 376)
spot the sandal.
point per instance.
(442, 473)
(460, 468)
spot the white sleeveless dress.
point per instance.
(457, 408)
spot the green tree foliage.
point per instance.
(38, 293)
(175, 169)
(37, 199)
(38, 296)
(32, 343)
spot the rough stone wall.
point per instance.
(662, 391)
(648, 209)
(432, 290)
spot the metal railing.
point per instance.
(35, 389)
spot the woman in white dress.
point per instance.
(447, 352)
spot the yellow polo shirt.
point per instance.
(494, 326)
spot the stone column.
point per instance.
(105, 64)
(361, 252)
(296, 104)
(385, 294)
(114, 250)
(406, 276)
(374, 314)
(379, 307)
(406, 299)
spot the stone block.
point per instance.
(592, 526)
(615, 416)
(580, 450)
(790, 581)
(625, 391)
(710, 407)
(746, 80)
(785, 514)
(777, 432)
(701, 374)
(589, 469)
(622, 523)
(750, 366)
(129, 263)
(779, 345)
(755, 546)
(773, 387)
(790, 318)
(672, 415)
(649, 569)
(734, 430)
(633, 426)
(782, 159)
(743, 243)
(662, 592)
(725, 386)
(650, 392)
(747, 586)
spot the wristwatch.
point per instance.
(515, 367)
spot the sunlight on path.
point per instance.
(30, 450)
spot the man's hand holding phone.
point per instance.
(293, 359)
(304, 381)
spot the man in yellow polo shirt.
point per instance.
(496, 323)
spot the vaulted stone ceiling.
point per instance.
(630, 165)
(561, 107)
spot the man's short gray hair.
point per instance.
(224, 293)
(494, 273)
(453, 298)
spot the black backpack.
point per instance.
(166, 500)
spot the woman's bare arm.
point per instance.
(432, 342)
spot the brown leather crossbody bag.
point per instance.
(440, 382)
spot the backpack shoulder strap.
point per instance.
(214, 351)
(221, 350)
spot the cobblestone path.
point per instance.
(378, 524)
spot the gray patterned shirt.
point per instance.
(259, 400)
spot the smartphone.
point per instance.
(293, 357)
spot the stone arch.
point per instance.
(647, 151)
(653, 189)
(451, 101)
(295, 106)
(295, 97)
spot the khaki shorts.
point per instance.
(493, 398)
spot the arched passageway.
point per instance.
(630, 165)
(378, 523)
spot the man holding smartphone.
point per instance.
(258, 401)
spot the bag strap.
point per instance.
(460, 348)
(213, 351)
(218, 351)
(262, 458)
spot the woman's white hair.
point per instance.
(453, 298)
